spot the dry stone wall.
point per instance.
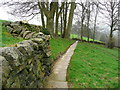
(22, 29)
(28, 63)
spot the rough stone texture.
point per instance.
(26, 33)
(28, 63)
(28, 36)
(24, 30)
(1, 71)
(19, 26)
(25, 65)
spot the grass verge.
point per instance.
(6, 39)
(84, 38)
(93, 66)
(59, 46)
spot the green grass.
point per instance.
(93, 66)
(84, 38)
(59, 45)
(6, 39)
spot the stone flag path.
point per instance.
(57, 78)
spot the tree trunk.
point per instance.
(56, 27)
(56, 24)
(65, 19)
(50, 25)
(81, 31)
(70, 20)
(42, 18)
(110, 41)
(49, 13)
(95, 25)
(61, 25)
(82, 20)
(88, 20)
(58, 12)
(42, 15)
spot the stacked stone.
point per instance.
(23, 30)
(27, 64)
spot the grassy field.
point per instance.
(59, 45)
(84, 38)
(93, 66)
(7, 39)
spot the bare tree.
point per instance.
(46, 9)
(61, 26)
(111, 8)
(31, 9)
(95, 20)
(49, 11)
(22, 9)
(42, 15)
(83, 18)
(65, 18)
(71, 13)
(119, 23)
(58, 12)
(88, 19)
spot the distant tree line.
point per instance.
(87, 13)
